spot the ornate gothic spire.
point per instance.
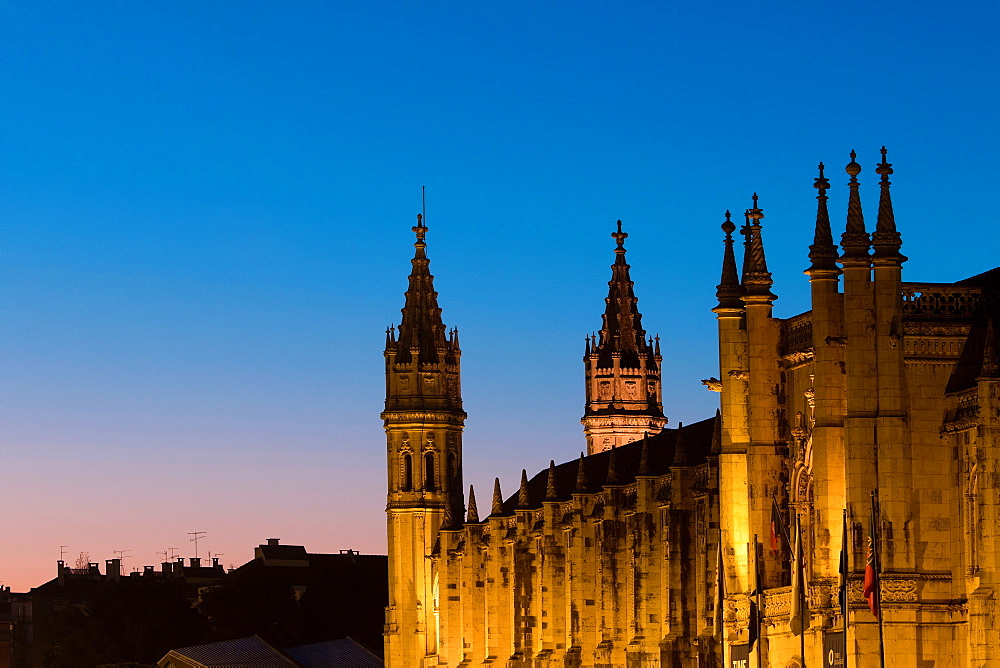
(473, 517)
(756, 278)
(729, 289)
(622, 330)
(855, 241)
(886, 239)
(581, 476)
(523, 500)
(421, 331)
(497, 509)
(823, 251)
(551, 494)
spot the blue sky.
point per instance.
(206, 215)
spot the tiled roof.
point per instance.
(345, 652)
(250, 652)
(697, 442)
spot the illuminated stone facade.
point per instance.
(612, 560)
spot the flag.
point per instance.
(843, 570)
(779, 534)
(871, 588)
(720, 595)
(798, 619)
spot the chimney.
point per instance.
(215, 562)
(273, 541)
(61, 571)
(113, 568)
(167, 567)
(195, 562)
(148, 570)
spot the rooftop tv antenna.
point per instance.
(121, 554)
(198, 535)
(62, 552)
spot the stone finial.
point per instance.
(612, 477)
(551, 493)
(854, 241)
(581, 476)
(523, 500)
(680, 450)
(473, 517)
(823, 252)
(886, 240)
(420, 229)
(497, 509)
(729, 290)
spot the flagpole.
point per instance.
(877, 551)
(802, 585)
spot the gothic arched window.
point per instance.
(429, 483)
(407, 473)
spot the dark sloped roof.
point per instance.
(987, 279)
(284, 552)
(345, 652)
(697, 442)
(970, 361)
(250, 652)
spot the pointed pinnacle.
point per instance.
(855, 241)
(550, 486)
(473, 517)
(581, 476)
(756, 278)
(729, 290)
(886, 239)
(644, 455)
(991, 364)
(680, 450)
(497, 509)
(716, 447)
(523, 500)
(612, 477)
(823, 251)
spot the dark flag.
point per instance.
(754, 621)
(871, 588)
(798, 618)
(779, 534)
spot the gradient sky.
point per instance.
(206, 211)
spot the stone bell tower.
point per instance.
(624, 396)
(423, 425)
